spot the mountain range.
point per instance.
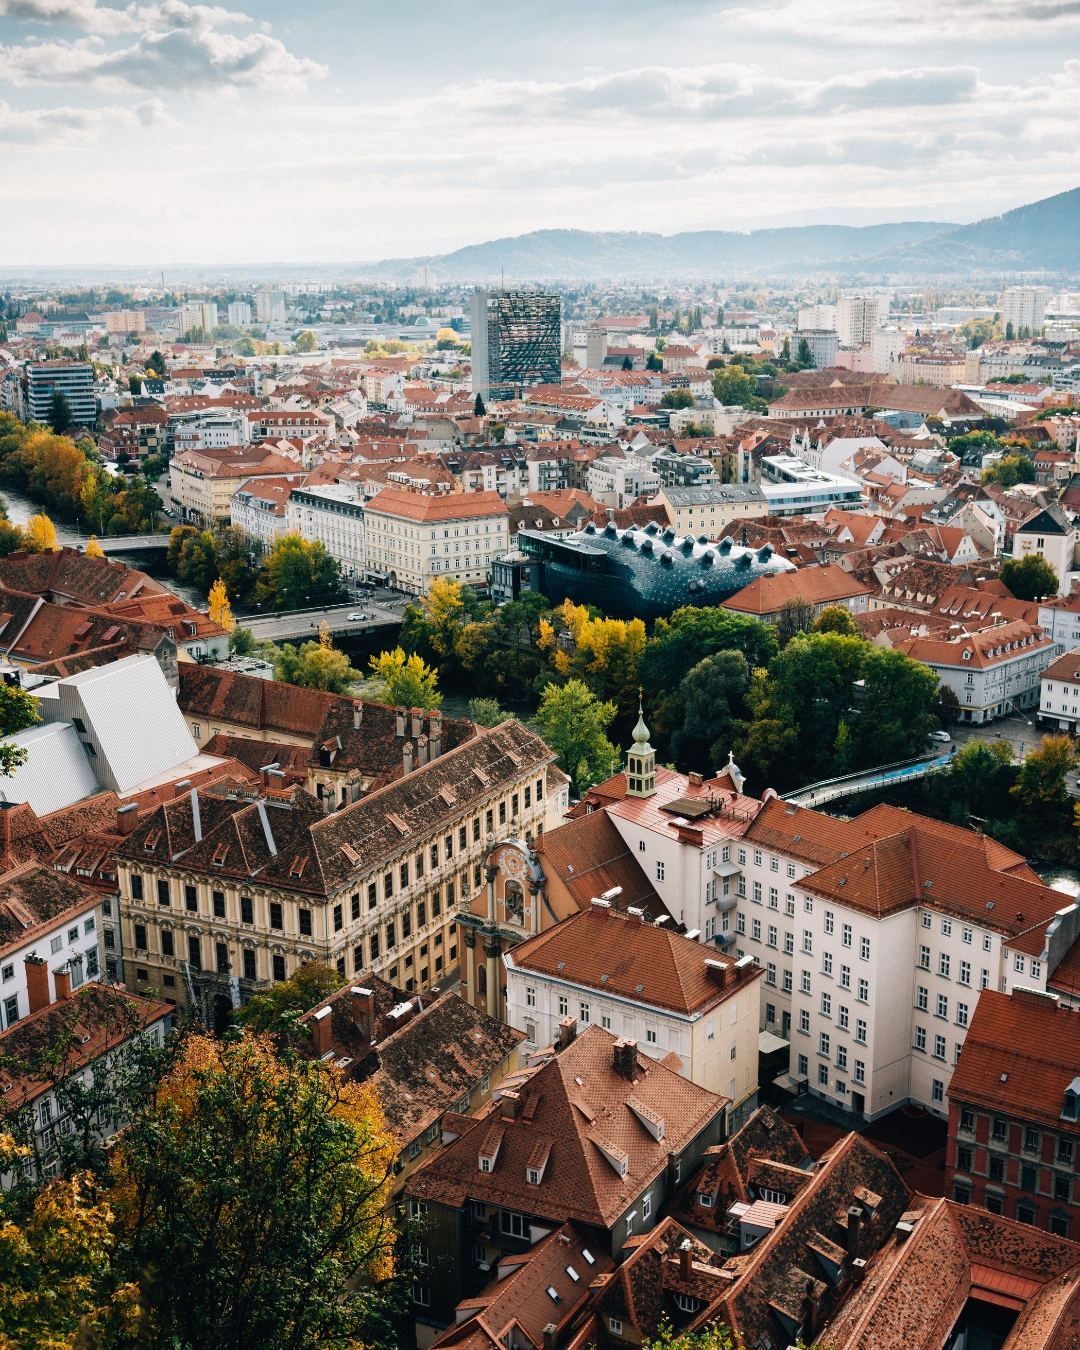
(1044, 236)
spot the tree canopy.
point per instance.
(574, 723)
(404, 681)
(1030, 578)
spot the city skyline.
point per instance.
(171, 130)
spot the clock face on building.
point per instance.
(511, 863)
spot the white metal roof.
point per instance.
(57, 772)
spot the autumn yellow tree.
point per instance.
(606, 653)
(254, 1195)
(93, 548)
(444, 613)
(40, 533)
(220, 609)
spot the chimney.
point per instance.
(854, 1230)
(611, 513)
(684, 1260)
(127, 817)
(62, 980)
(5, 841)
(357, 715)
(37, 983)
(363, 1010)
(407, 757)
(421, 751)
(696, 780)
(264, 775)
(567, 1031)
(809, 1314)
(549, 1335)
(435, 733)
(320, 1031)
(400, 714)
(510, 1103)
(624, 1057)
(417, 715)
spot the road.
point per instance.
(1022, 734)
(302, 624)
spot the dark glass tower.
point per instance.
(515, 341)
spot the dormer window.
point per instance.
(1072, 1100)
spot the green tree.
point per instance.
(404, 681)
(297, 573)
(796, 616)
(1042, 775)
(711, 693)
(275, 1009)
(135, 384)
(18, 712)
(805, 358)
(677, 398)
(315, 665)
(478, 407)
(1010, 470)
(574, 722)
(241, 641)
(732, 386)
(485, 712)
(251, 1201)
(60, 415)
(1030, 578)
(307, 341)
(244, 346)
(627, 364)
(945, 706)
(835, 619)
(155, 364)
(895, 710)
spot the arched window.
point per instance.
(481, 980)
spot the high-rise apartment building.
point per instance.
(125, 321)
(73, 379)
(270, 306)
(1024, 306)
(817, 317)
(856, 319)
(515, 341)
(424, 278)
(596, 346)
(240, 314)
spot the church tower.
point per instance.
(641, 761)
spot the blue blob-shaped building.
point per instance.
(643, 573)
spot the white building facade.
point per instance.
(331, 514)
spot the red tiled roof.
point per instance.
(452, 506)
(819, 585)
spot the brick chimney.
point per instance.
(62, 980)
(624, 1057)
(435, 733)
(320, 1031)
(265, 775)
(363, 1010)
(510, 1102)
(854, 1230)
(357, 715)
(549, 1332)
(407, 757)
(417, 715)
(567, 1031)
(399, 713)
(37, 983)
(685, 1260)
(127, 817)
(421, 751)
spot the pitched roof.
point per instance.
(617, 954)
(1066, 667)
(427, 509)
(578, 1102)
(819, 585)
(590, 856)
(33, 896)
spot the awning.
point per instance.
(727, 869)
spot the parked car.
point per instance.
(942, 736)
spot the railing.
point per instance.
(829, 789)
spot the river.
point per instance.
(21, 508)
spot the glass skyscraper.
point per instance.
(515, 341)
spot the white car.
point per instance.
(942, 736)
(357, 618)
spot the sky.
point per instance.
(342, 130)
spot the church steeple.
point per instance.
(641, 761)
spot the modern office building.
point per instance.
(73, 379)
(515, 341)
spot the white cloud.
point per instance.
(74, 126)
(91, 17)
(182, 60)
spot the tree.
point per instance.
(805, 358)
(310, 985)
(606, 654)
(307, 341)
(40, 533)
(573, 721)
(241, 641)
(835, 619)
(945, 706)
(404, 681)
(627, 364)
(93, 548)
(677, 398)
(135, 384)
(315, 665)
(298, 572)
(478, 407)
(733, 386)
(251, 1200)
(895, 707)
(796, 616)
(1042, 775)
(220, 609)
(485, 712)
(18, 712)
(715, 1337)
(155, 364)
(60, 415)
(445, 339)
(1010, 470)
(708, 693)
(785, 350)
(1030, 578)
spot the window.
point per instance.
(864, 948)
(807, 940)
(845, 977)
(804, 1066)
(826, 963)
(805, 983)
(337, 919)
(966, 935)
(823, 1075)
(166, 942)
(659, 871)
(163, 891)
(804, 1021)
(755, 930)
(860, 1071)
(1065, 1150)
(1031, 1140)
(943, 964)
(826, 1005)
(583, 1009)
(920, 1038)
(1000, 1130)
(740, 924)
(774, 899)
(789, 944)
(770, 973)
(275, 915)
(864, 992)
(191, 900)
(808, 905)
(140, 937)
(1063, 1190)
(772, 936)
(614, 1326)
(136, 887)
(650, 1035)
(961, 1014)
(828, 921)
(823, 1043)
(646, 1207)
(194, 952)
(924, 958)
(965, 972)
(757, 892)
(939, 1047)
(922, 998)
(304, 918)
(787, 981)
(278, 963)
(841, 1056)
(249, 964)
(937, 1091)
(845, 935)
(530, 998)
(987, 942)
(942, 1005)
